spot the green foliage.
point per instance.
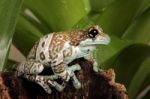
(132, 67)
(8, 14)
(27, 33)
(126, 21)
(141, 27)
(63, 12)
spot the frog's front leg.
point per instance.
(66, 73)
(93, 61)
(75, 67)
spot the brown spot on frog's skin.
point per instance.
(42, 56)
(67, 52)
(43, 44)
(54, 62)
(50, 54)
(77, 37)
(32, 54)
(59, 68)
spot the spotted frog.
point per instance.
(57, 50)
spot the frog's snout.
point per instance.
(104, 39)
(107, 39)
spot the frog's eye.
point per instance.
(92, 33)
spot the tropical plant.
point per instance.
(126, 21)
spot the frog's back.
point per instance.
(48, 47)
(40, 50)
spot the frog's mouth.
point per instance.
(98, 41)
(105, 40)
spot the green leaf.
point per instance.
(105, 55)
(139, 77)
(145, 92)
(87, 6)
(146, 87)
(57, 14)
(83, 23)
(9, 10)
(26, 35)
(117, 16)
(41, 27)
(130, 64)
(129, 60)
(138, 31)
(99, 5)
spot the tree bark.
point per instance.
(99, 85)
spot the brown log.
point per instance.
(99, 85)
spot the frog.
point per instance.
(56, 50)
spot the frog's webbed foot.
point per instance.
(96, 69)
(66, 73)
(69, 75)
(75, 81)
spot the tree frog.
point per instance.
(56, 50)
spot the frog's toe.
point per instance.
(49, 91)
(101, 70)
(47, 88)
(77, 85)
(57, 86)
(96, 69)
(78, 67)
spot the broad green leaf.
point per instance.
(138, 32)
(116, 17)
(143, 7)
(87, 6)
(100, 5)
(106, 54)
(83, 23)
(129, 62)
(139, 77)
(145, 89)
(26, 35)
(37, 24)
(57, 14)
(9, 10)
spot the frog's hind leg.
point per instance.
(45, 81)
(30, 71)
(39, 80)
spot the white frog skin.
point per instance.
(57, 50)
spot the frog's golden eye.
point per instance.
(92, 33)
